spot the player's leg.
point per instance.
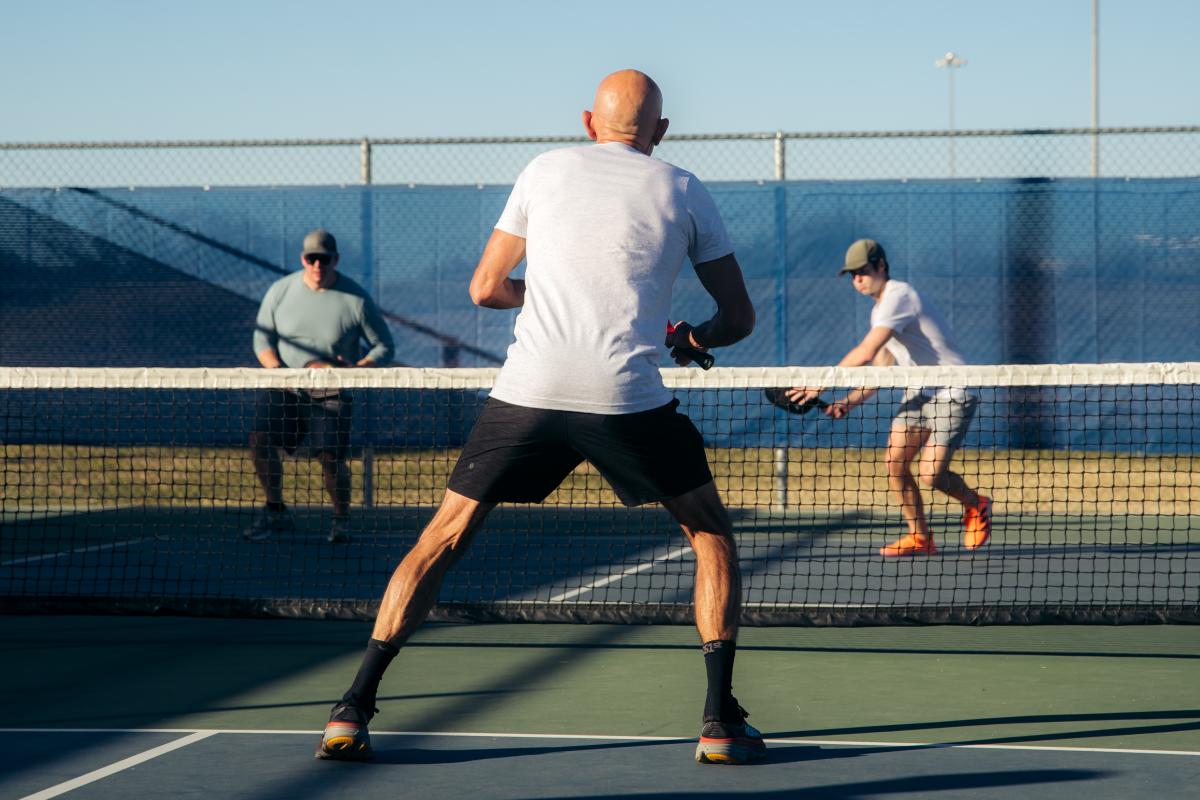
(274, 427)
(414, 586)
(410, 594)
(658, 455)
(510, 456)
(718, 583)
(950, 419)
(267, 466)
(328, 423)
(335, 473)
(725, 735)
(266, 434)
(934, 469)
(903, 446)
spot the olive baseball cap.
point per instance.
(862, 253)
(319, 241)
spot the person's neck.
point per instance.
(628, 141)
(316, 286)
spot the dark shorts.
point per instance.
(291, 419)
(520, 455)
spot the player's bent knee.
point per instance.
(933, 479)
(701, 511)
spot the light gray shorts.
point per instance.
(946, 419)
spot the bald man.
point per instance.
(604, 230)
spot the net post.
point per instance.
(779, 467)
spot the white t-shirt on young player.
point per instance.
(607, 229)
(920, 336)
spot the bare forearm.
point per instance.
(491, 286)
(858, 357)
(508, 293)
(856, 397)
(269, 359)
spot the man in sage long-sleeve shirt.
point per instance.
(313, 319)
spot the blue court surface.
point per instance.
(272, 764)
(108, 707)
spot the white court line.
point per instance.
(123, 764)
(610, 738)
(92, 549)
(558, 598)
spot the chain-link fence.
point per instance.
(1040, 246)
(980, 154)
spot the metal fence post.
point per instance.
(780, 156)
(779, 468)
(364, 174)
(364, 161)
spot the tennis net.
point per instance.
(128, 490)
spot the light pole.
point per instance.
(1095, 88)
(951, 62)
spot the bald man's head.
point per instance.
(628, 108)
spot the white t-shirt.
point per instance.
(606, 230)
(921, 337)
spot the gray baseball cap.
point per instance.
(861, 253)
(319, 241)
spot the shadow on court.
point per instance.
(922, 786)
(151, 672)
(1192, 723)
(897, 650)
(386, 753)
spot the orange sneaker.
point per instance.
(911, 544)
(977, 524)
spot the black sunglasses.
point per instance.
(318, 258)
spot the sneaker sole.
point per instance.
(343, 755)
(344, 746)
(727, 752)
(907, 553)
(976, 544)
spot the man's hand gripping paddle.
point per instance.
(705, 360)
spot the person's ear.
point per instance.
(587, 125)
(660, 131)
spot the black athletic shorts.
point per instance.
(517, 454)
(318, 421)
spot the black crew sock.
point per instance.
(362, 692)
(278, 507)
(718, 663)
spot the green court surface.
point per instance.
(631, 694)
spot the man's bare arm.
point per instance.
(269, 358)
(866, 351)
(870, 350)
(491, 286)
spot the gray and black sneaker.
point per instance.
(339, 531)
(267, 522)
(724, 742)
(346, 737)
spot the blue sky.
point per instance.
(142, 69)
